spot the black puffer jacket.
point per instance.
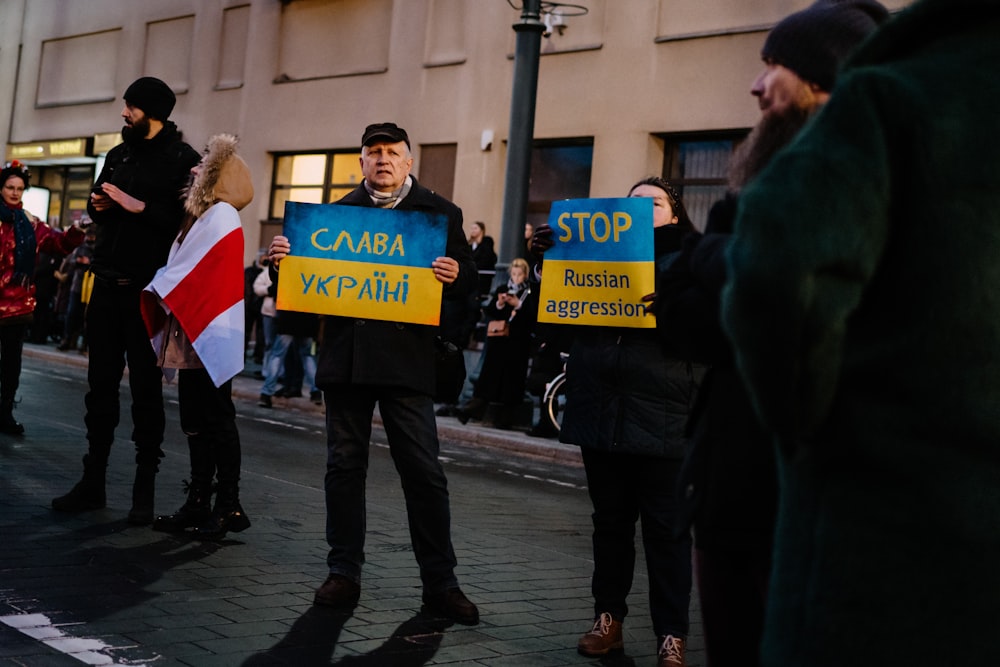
(154, 171)
(623, 392)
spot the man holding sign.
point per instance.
(364, 361)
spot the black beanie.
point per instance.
(152, 96)
(814, 42)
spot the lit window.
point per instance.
(313, 178)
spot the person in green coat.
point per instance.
(863, 303)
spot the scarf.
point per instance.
(24, 244)
(518, 289)
(389, 199)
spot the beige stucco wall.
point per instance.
(447, 77)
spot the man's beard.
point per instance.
(772, 133)
(138, 131)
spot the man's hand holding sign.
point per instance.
(364, 262)
(598, 262)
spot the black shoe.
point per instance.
(474, 409)
(264, 401)
(452, 604)
(188, 516)
(543, 429)
(140, 515)
(445, 411)
(338, 591)
(11, 426)
(316, 397)
(221, 522)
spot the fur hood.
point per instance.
(222, 176)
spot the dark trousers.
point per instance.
(624, 488)
(409, 423)
(74, 320)
(732, 585)
(116, 336)
(11, 346)
(208, 419)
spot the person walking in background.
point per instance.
(367, 362)
(627, 402)
(75, 267)
(294, 333)
(20, 242)
(254, 330)
(198, 331)
(483, 254)
(729, 479)
(510, 317)
(265, 289)
(862, 303)
(137, 209)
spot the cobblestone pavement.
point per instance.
(89, 588)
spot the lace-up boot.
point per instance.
(670, 652)
(603, 638)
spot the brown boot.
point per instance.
(670, 652)
(603, 638)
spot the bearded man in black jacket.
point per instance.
(137, 208)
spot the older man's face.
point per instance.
(386, 165)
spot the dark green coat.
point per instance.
(864, 307)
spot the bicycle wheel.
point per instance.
(555, 400)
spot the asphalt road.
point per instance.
(91, 588)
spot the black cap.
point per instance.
(814, 42)
(388, 132)
(152, 96)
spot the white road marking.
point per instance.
(85, 649)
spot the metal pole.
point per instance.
(521, 131)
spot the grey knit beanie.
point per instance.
(814, 42)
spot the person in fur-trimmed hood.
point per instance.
(199, 333)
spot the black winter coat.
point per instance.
(154, 171)
(624, 393)
(394, 354)
(728, 480)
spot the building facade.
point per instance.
(626, 88)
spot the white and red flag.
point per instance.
(202, 286)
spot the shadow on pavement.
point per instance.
(312, 640)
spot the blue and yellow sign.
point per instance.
(362, 262)
(601, 265)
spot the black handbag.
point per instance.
(449, 366)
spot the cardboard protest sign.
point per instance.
(362, 262)
(601, 265)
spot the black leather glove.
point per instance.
(541, 240)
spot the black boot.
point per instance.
(8, 424)
(88, 494)
(228, 514)
(147, 463)
(197, 510)
(143, 495)
(475, 408)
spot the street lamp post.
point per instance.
(527, 54)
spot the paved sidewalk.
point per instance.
(247, 387)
